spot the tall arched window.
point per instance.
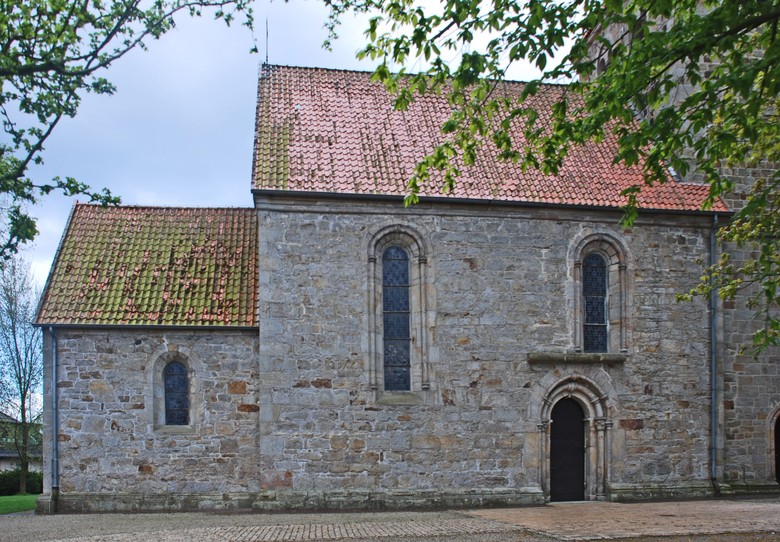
(177, 394)
(399, 313)
(600, 294)
(594, 292)
(396, 319)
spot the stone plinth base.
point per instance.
(751, 488)
(648, 491)
(287, 500)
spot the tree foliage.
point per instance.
(689, 85)
(51, 53)
(21, 360)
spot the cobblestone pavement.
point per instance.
(740, 520)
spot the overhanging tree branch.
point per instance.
(50, 55)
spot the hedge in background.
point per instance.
(9, 482)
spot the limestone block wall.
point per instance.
(114, 448)
(501, 285)
(748, 386)
(749, 402)
(750, 399)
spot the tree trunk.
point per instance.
(24, 453)
(23, 477)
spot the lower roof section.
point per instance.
(169, 266)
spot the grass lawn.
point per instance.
(17, 503)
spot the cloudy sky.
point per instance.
(179, 129)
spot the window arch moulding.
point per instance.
(399, 291)
(160, 379)
(611, 292)
(600, 272)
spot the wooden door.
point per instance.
(777, 450)
(567, 452)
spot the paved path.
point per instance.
(601, 520)
(721, 520)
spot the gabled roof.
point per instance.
(5, 418)
(154, 265)
(335, 131)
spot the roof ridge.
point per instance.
(268, 66)
(172, 207)
(690, 183)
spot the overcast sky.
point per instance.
(179, 130)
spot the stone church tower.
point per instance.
(745, 429)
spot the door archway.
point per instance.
(567, 451)
(578, 401)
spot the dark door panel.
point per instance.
(567, 452)
(777, 450)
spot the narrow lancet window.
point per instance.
(396, 319)
(594, 290)
(177, 394)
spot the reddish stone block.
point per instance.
(632, 424)
(237, 388)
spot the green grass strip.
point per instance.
(17, 503)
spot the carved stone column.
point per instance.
(623, 307)
(578, 338)
(373, 347)
(544, 463)
(601, 459)
(421, 262)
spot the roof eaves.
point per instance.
(147, 326)
(347, 196)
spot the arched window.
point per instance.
(396, 319)
(399, 312)
(600, 295)
(177, 394)
(594, 292)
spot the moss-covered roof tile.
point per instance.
(154, 265)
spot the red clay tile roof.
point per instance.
(154, 265)
(335, 131)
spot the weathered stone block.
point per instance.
(237, 387)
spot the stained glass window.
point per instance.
(177, 394)
(594, 290)
(396, 316)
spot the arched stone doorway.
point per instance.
(575, 400)
(567, 451)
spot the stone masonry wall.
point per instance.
(748, 385)
(288, 418)
(113, 444)
(503, 287)
(750, 399)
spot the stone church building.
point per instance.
(506, 343)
